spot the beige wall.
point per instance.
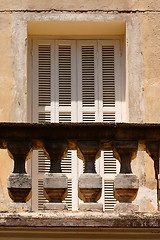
(141, 52)
(106, 5)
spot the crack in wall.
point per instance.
(82, 11)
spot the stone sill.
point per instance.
(80, 219)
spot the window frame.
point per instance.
(34, 39)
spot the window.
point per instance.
(76, 81)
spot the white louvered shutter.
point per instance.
(76, 81)
(97, 68)
(54, 86)
(87, 81)
(42, 78)
(65, 85)
(109, 111)
(87, 85)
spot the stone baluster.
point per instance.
(19, 183)
(126, 184)
(55, 183)
(153, 149)
(90, 183)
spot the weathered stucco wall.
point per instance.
(142, 54)
(151, 57)
(6, 97)
(121, 5)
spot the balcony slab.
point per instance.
(80, 219)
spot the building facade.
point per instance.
(80, 61)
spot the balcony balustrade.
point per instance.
(125, 139)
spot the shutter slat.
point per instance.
(108, 117)
(64, 117)
(88, 117)
(44, 117)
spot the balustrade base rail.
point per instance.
(81, 219)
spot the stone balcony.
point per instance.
(20, 139)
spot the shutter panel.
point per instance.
(42, 80)
(108, 68)
(65, 108)
(87, 81)
(87, 85)
(61, 84)
(44, 99)
(107, 65)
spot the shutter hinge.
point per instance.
(32, 51)
(120, 52)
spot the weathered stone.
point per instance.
(55, 187)
(74, 220)
(19, 180)
(55, 150)
(90, 150)
(49, 207)
(129, 181)
(152, 148)
(19, 151)
(90, 187)
(90, 180)
(19, 187)
(17, 207)
(55, 180)
(91, 207)
(126, 208)
(126, 187)
(125, 152)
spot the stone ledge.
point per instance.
(80, 219)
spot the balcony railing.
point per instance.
(20, 139)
